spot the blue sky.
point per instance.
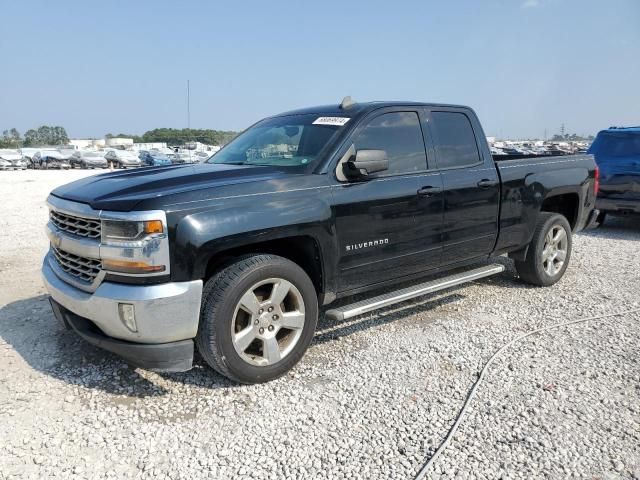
(523, 65)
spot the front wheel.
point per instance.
(257, 319)
(549, 251)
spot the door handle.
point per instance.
(428, 191)
(486, 183)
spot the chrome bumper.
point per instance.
(165, 312)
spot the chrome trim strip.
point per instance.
(81, 246)
(355, 309)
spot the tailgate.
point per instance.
(620, 178)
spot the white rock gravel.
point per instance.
(372, 398)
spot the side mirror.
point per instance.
(366, 162)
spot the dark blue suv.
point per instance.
(154, 159)
(617, 153)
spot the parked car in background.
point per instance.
(5, 164)
(14, 157)
(88, 159)
(617, 153)
(122, 159)
(201, 156)
(154, 158)
(50, 158)
(180, 158)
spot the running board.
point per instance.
(358, 308)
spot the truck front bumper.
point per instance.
(166, 318)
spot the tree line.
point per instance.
(44, 135)
(56, 135)
(175, 136)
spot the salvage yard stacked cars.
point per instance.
(67, 156)
(11, 160)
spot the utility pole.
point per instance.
(189, 115)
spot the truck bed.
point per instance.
(525, 180)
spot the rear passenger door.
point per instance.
(471, 185)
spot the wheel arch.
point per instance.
(566, 204)
(303, 250)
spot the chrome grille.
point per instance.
(82, 227)
(86, 269)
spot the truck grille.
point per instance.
(82, 227)
(86, 269)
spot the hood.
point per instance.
(123, 190)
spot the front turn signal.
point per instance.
(153, 226)
(126, 266)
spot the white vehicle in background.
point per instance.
(183, 157)
(49, 158)
(122, 158)
(88, 159)
(14, 158)
(201, 156)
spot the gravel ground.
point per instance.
(372, 398)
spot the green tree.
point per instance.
(10, 139)
(173, 136)
(136, 138)
(46, 135)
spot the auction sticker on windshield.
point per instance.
(338, 121)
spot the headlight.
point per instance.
(135, 247)
(117, 231)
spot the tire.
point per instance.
(545, 269)
(239, 344)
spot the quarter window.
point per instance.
(454, 140)
(400, 135)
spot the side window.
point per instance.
(399, 134)
(454, 140)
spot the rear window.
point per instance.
(454, 140)
(616, 144)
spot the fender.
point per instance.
(204, 234)
(526, 186)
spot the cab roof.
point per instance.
(359, 108)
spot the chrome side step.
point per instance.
(358, 308)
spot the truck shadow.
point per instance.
(30, 329)
(617, 227)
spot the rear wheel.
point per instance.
(549, 251)
(258, 317)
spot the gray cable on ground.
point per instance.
(423, 471)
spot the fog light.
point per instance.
(128, 316)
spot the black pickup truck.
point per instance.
(237, 255)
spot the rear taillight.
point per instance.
(596, 181)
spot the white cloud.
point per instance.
(530, 4)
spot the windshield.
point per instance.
(281, 141)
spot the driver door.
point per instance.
(388, 224)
